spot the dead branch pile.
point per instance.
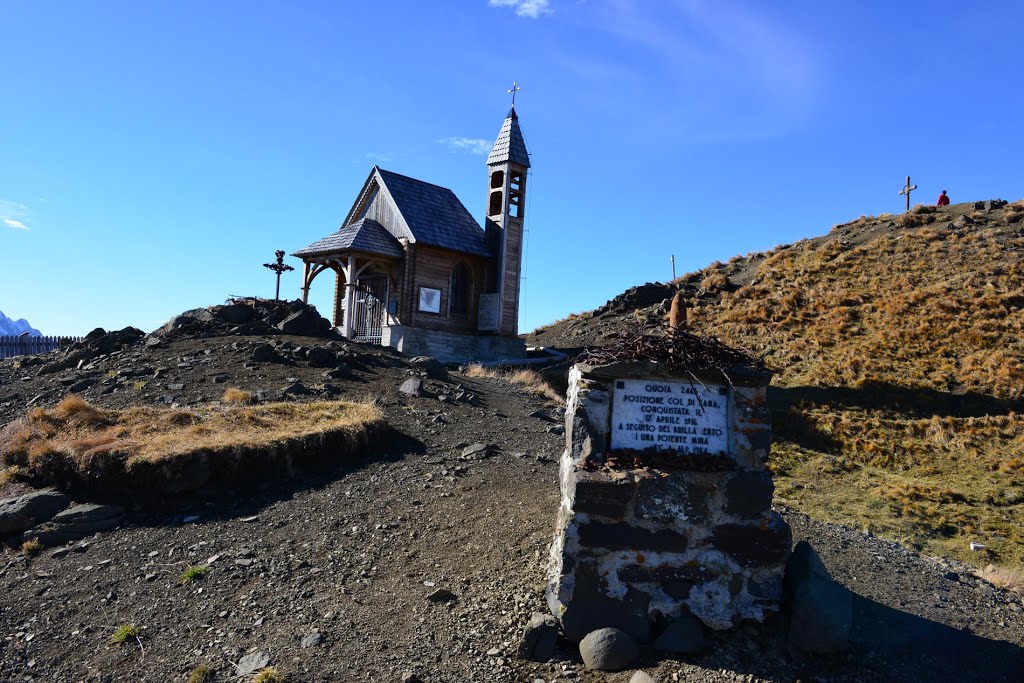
(676, 349)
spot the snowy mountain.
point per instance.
(16, 327)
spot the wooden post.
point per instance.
(350, 298)
(305, 282)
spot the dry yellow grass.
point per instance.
(528, 380)
(239, 396)
(87, 437)
(1003, 577)
(900, 371)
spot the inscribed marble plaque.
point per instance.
(675, 416)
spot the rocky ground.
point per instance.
(427, 558)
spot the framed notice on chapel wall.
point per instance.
(430, 300)
(487, 319)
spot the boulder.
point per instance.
(539, 637)
(433, 368)
(236, 314)
(251, 663)
(311, 640)
(641, 677)
(263, 353)
(608, 649)
(412, 387)
(296, 388)
(821, 610)
(76, 523)
(340, 371)
(477, 451)
(26, 511)
(304, 323)
(321, 357)
(683, 636)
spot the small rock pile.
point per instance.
(248, 317)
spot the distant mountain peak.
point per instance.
(16, 328)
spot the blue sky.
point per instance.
(154, 155)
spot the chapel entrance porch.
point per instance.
(361, 293)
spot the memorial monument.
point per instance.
(665, 508)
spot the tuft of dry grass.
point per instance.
(9, 474)
(1003, 577)
(714, 282)
(478, 371)
(269, 675)
(528, 380)
(83, 438)
(31, 547)
(237, 396)
(203, 673)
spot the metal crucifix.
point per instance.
(278, 267)
(514, 89)
(907, 189)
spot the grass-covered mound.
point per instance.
(899, 354)
(146, 450)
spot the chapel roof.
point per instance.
(434, 214)
(365, 235)
(510, 145)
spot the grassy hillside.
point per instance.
(900, 369)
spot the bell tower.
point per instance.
(507, 166)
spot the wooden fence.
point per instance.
(26, 344)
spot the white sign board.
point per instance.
(675, 416)
(430, 300)
(487, 318)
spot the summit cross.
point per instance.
(278, 266)
(514, 89)
(907, 189)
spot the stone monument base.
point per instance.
(647, 536)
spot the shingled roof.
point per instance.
(434, 214)
(365, 235)
(510, 145)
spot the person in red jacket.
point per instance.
(943, 200)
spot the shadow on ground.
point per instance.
(908, 402)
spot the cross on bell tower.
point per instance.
(513, 90)
(507, 167)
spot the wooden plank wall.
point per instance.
(512, 268)
(434, 270)
(384, 211)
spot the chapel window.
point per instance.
(459, 292)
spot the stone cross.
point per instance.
(907, 189)
(278, 267)
(514, 89)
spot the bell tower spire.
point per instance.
(507, 167)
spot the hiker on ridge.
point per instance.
(943, 200)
